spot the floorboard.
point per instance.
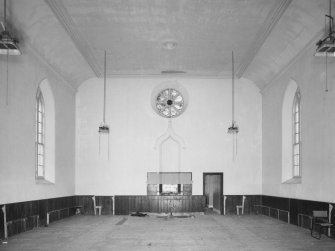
(202, 232)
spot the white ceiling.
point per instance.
(71, 35)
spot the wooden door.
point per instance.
(213, 190)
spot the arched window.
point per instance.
(296, 134)
(45, 134)
(40, 135)
(291, 134)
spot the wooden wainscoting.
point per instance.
(24, 216)
(86, 201)
(159, 204)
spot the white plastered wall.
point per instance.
(317, 130)
(135, 128)
(17, 131)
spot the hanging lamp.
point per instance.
(233, 129)
(104, 128)
(8, 44)
(326, 46)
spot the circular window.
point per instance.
(169, 103)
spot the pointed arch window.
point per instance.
(296, 119)
(45, 134)
(291, 134)
(40, 135)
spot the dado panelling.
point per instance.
(159, 204)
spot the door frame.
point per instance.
(221, 186)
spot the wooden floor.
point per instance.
(203, 232)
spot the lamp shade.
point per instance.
(8, 45)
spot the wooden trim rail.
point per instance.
(269, 209)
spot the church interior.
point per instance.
(168, 109)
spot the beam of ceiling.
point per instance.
(271, 20)
(65, 19)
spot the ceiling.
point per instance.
(187, 38)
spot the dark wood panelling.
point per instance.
(86, 201)
(305, 207)
(21, 210)
(125, 205)
(295, 207)
(305, 221)
(42, 211)
(107, 204)
(153, 204)
(283, 216)
(23, 216)
(233, 200)
(32, 222)
(276, 202)
(60, 203)
(122, 205)
(59, 214)
(16, 227)
(54, 216)
(250, 202)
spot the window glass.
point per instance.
(296, 135)
(40, 135)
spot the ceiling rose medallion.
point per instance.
(169, 45)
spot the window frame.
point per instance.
(296, 135)
(40, 136)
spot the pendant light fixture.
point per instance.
(104, 128)
(326, 88)
(8, 44)
(326, 46)
(233, 129)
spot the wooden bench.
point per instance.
(320, 222)
(76, 208)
